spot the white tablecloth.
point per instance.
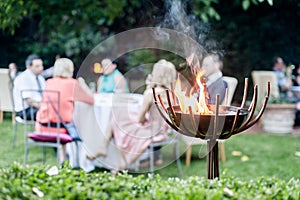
(93, 122)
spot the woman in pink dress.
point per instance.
(134, 131)
(70, 89)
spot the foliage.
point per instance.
(75, 28)
(67, 29)
(12, 12)
(151, 56)
(282, 99)
(93, 13)
(206, 11)
(250, 39)
(35, 183)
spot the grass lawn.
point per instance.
(268, 155)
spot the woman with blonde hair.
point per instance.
(133, 131)
(70, 91)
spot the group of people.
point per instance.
(34, 78)
(287, 77)
(111, 81)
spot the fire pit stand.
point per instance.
(224, 122)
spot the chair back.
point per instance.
(49, 127)
(261, 79)
(5, 100)
(11, 88)
(231, 85)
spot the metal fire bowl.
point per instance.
(203, 125)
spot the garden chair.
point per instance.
(279, 116)
(231, 84)
(5, 101)
(173, 139)
(45, 137)
(16, 119)
(261, 78)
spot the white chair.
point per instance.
(5, 101)
(261, 78)
(172, 139)
(16, 119)
(50, 135)
(231, 87)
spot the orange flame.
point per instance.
(185, 101)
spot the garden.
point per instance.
(257, 166)
(247, 33)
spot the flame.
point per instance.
(199, 105)
(193, 61)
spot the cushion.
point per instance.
(44, 136)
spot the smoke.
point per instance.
(176, 18)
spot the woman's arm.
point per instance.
(99, 82)
(80, 94)
(121, 83)
(146, 106)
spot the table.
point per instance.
(93, 122)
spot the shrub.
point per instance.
(35, 182)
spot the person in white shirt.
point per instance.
(29, 79)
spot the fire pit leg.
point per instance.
(208, 161)
(216, 160)
(212, 159)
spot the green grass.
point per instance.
(269, 155)
(9, 155)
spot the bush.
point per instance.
(19, 182)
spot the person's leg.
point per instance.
(63, 155)
(21, 114)
(157, 156)
(31, 113)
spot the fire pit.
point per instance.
(214, 123)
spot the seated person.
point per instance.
(296, 74)
(134, 130)
(212, 66)
(13, 71)
(70, 91)
(283, 79)
(112, 80)
(30, 79)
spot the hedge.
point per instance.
(36, 182)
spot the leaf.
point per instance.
(236, 153)
(38, 192)
(244, 158)
(270, 2)
(228, 192)
(52, 171)
(246, 4)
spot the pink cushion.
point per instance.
(42, 136)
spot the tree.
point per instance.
(75, 27)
